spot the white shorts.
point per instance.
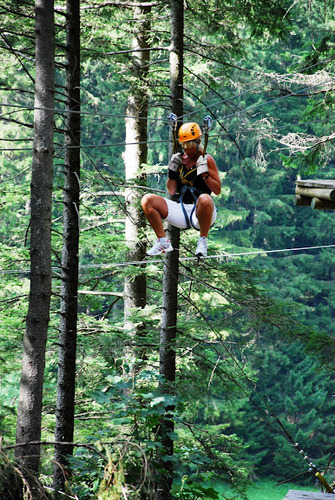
(176, 215)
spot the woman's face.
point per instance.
(190, 147)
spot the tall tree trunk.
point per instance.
(135, 155)
(167, 365)
(34, 342)
(69, 288)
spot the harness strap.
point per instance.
(195, 193)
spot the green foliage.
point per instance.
(299, 395)
(192, 491)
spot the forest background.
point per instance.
(254, 335)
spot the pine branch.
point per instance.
(207, 85)
(17, 13)
(121, 4)
(207, 57)
(13, 89)
(55, 443)
(19, 34)
(11, 120)
(14, 52)
(132, 51)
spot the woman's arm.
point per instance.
(212, 178)
(171, 185)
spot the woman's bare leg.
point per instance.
(204, 212)
(155, 209)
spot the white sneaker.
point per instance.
(201, 247)
(160, 248)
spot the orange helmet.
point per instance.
(189, 132)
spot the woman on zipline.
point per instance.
(194, 178)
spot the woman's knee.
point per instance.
(205, 202)
(146, 201)
(152, 202)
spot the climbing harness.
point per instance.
(207, 126)
(172, 117)
(195, 194)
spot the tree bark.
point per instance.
(134, 156)
(69, 288)
(167, 365)
(34, 343)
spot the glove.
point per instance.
(202, 165)
(175, 162)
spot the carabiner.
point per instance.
(172, 117)
(206, 126)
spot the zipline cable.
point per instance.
(276, 99)
(165, 141)
(87, 146)
(220, 256)
(237, 113)
(70, 111)
(255, 88)
(164, 120)
(221, 101)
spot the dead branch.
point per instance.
(321, 81)
(303, 142)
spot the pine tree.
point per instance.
(31, 387)
(298, 393)
(67, 352)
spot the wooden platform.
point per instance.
(316, 183)
(316, 193)
(308, 495)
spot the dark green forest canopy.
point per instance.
(264, 73)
